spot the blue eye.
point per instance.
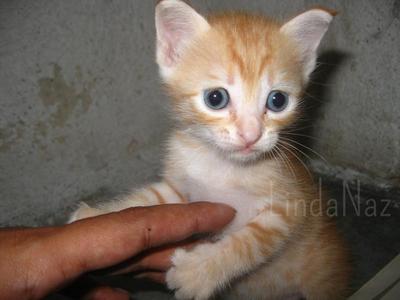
(216, 98)
(277, 101)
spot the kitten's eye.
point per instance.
(216, 98)
(277, 101)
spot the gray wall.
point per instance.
(82, 113)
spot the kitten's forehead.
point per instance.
(244, 52)
(248, 41)
(254, 50)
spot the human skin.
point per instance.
(36, 261)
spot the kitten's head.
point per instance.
(236, 79)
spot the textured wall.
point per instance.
(82, 113)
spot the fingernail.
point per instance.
(224, 207)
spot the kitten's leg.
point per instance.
(199, 273)
(154, 194)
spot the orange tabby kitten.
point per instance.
(236, 81)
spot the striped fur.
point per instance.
(280, 245)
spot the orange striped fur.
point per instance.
(281, 245)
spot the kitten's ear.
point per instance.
(177, 25)
(307, 30)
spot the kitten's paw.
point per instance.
(84, 211)
(193, 275)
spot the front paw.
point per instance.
(194, 275)
(84, 211)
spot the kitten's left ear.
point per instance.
(177, 26)
(307, 30)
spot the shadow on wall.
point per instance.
(315, 97)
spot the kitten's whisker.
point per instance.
(278, 157)
(297, 149)
(294, 128)
(312, 97)
(304, 146)
(274, 156)
(287, 162)
(296, 156)
(299, 134)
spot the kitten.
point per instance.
(236, 81)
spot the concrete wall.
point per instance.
(82, 113)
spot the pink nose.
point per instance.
(249, 131)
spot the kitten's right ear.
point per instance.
(177, 24)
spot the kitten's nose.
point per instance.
(249, 131)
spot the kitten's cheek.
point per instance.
(268, 142)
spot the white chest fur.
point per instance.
(246, 206)
(204, 176)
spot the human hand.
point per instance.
(36, 261)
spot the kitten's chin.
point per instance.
(244, 156)
(238, 156)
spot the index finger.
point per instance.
(109, 239)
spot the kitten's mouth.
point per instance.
(247, 150)
(245, 154)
